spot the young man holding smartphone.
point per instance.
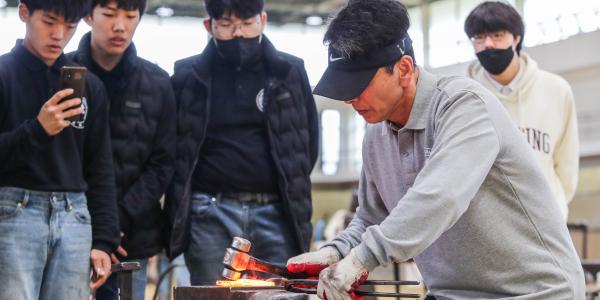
(142, 124)
(57, 194)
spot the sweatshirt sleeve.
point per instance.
(566, 154)
(99, 174)
(370, 211)
(465, 148)
(19, 145)
(147, 190)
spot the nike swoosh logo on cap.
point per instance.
(400, 48)
(332, 59)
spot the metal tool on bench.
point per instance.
(237, 260)
(125, 270)
(309, 286)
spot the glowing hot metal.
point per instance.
(245, 282)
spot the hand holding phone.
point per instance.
(55, 112)
(73, 77)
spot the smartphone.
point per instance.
(73, 77)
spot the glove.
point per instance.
(340, 280)
(313, 262)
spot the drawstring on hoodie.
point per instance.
(522, 66)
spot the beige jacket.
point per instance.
(543, 108)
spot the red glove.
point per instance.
(313, 262)
(341, 279)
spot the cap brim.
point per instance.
(343, 85)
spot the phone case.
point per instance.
(73, 77)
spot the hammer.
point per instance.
(237, 260)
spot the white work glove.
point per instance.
(312, 263)
(340, 280)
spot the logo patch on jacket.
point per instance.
(81, 124)
(260, 100)
(427, 153)
(133, 104)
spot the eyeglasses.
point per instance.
(496, 36)
(248, 27)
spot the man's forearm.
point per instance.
(350, 237)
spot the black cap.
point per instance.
(346, 78)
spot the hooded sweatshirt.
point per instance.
(541, 105)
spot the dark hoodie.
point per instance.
(75, 160)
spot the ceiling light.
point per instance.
(163, 12)
(314, 21)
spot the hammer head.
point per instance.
(241, 244)
(236, 260)
(230, 274)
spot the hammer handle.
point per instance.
(256, 264)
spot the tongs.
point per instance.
(292, 285)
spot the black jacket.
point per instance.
(77, 159)
(142, 127)
(292, 126)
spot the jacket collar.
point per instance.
(33, 62)
(417, 120)
(128, 62)
(275, 64)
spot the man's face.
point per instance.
(382, 99)
(230, 26)
(112, 28)
(501, 39)
(46, 33)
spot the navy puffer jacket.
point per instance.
(292, 127)
(142, 127)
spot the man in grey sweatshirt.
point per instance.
(447, 178)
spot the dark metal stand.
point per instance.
(583, 228)
(125, 270)
(397, 277)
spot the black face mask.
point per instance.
(240, 51)
(495, 61)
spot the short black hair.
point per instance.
(72, 10)
(366, 25)
(242, 9)
(122, 4)
(492, 16)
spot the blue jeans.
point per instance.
(110, 289)
(45, 244)
(214, 223)
(180, 275)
